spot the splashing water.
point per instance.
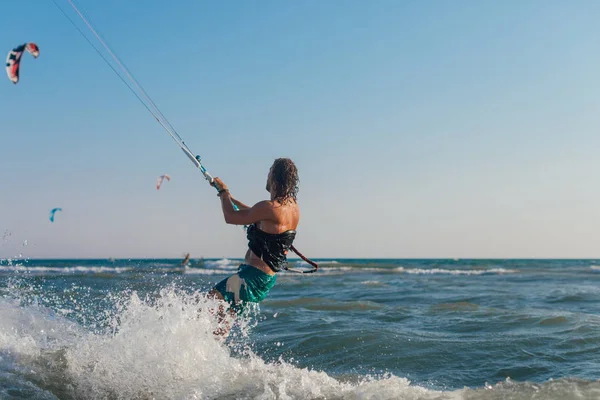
(161, 347)
(94, 332)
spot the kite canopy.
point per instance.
(52, 212)
(13, 61)
(160, 180)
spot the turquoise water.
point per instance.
(357, 329)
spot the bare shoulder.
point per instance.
(264, 204)
(288, 215)
(266, 209)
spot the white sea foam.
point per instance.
(373, 283)
(64, 270)
(417, 271)
(423, 271)
(203, 271)
(214, 267)
(164, 348)
(320, 262)
(223, 263)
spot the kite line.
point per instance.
(154, 110)
(141, 94)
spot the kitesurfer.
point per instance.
(271, 231)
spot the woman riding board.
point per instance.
(271, 231)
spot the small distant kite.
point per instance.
(160, 180)
(52, 212)
(13, 61)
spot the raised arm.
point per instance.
(238, 203)
(262, 210)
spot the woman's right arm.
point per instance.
(239, 204)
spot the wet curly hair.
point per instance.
(284, 180)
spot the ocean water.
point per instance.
(357, 329)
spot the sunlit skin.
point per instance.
(271, 216)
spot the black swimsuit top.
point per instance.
(270, 247)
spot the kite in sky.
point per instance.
(52, 212)
(13, 61)
(160, 180)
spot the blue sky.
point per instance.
(420, 129)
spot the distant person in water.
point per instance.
(186, 260)
(271, 231)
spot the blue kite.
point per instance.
(52, 212)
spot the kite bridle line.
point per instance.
(155, 111)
